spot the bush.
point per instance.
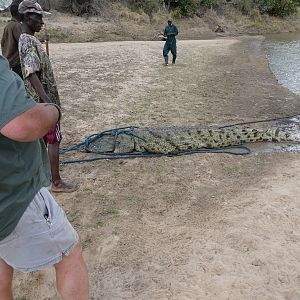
(245, 6)
(149, 7)
(209, 3)
(79, 7)
(183, 8)
(277, 7)
(179, 8)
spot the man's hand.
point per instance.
(37, 85)
(44, 38)
(33, 124)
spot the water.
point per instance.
(284, 59)
(283, 53)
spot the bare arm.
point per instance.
(33, 124)
(37, 85)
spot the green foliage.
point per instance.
(209, 3)
(271, 7)
(277, 7)
(184, 8)
(285, 8)
(178, 8)
(149, 7)
(77, 7)
(245, 6)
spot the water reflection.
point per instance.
(284, 59)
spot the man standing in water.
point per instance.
(170, 33)
(40, 83)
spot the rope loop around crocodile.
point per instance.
(137, 142)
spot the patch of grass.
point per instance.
(115, 173)
(132, 199)
(113, 211)
(59, 35)
(72, 216)
(236, 169)
(86, 242)
(97, 225)
(100, 35)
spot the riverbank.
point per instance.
(209, 226)
(119, 23)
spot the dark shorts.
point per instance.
(54, 135)
(17, 69)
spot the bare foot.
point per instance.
(59, 186)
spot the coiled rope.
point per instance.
(129, 130)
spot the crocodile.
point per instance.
(172, 140)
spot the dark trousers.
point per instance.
(17, 69)
(170, 47)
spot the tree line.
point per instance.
(177, 8)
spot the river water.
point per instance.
(283, 52)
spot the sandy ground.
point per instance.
(205, 226)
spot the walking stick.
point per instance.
(46, 40)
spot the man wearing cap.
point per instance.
(34, 230)
(10, 38)
(40, 83)
(170, 33)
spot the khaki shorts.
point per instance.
(41, 237)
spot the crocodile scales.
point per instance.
(171, 140)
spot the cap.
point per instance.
(170, 20)
(4, 4)
(31, 6)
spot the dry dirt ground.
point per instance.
(204, 226)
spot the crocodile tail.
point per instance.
(278, 134)
(248, 135)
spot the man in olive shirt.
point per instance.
(10, 39)
(34, 230)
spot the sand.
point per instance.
(204, 226)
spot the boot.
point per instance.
(166, 60)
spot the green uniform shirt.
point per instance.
(170, 32)
(24, 167)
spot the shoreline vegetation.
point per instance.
(118, 22)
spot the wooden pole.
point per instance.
(46, 40)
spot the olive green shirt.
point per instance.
(24, 167)
(170, 32)
(10, 41)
